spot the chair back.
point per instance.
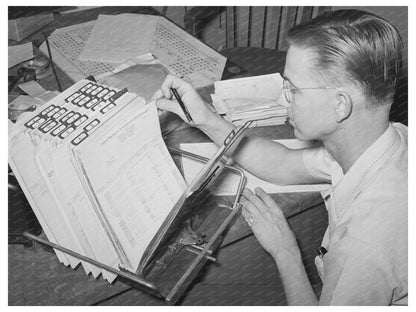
(265, 27)
(252, 26)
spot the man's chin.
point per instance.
(296, 131)
(299, 135)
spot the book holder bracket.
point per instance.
(191, 238)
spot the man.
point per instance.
(340, 77)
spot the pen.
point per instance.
(181, 104)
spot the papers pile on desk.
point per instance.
(98, 47)
(251, 98)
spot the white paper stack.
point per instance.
(97, 174)
(253, 98)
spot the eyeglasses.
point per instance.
(288, 88)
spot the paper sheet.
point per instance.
(19, 104)
(141, 75)
(66, 46)
(66, 217)
(228, 182)
(20, 150)
(151, 183)
(74, 198)
(32, 88)
(251, 98)
(112, 38)
(20, 53)
(264, 86)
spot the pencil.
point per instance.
(181, 104)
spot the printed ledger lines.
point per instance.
(102, 183)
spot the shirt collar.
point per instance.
(363, 169)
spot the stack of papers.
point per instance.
(98, 175)
(253, 98)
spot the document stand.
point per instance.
(189, 236)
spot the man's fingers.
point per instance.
(172, 81)
(257, 202)
(248, 205)
(268, 201)
(164, 104)
(168, 105)
(157, 95)
(164, 91)
(250, 212)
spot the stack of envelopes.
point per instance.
(252, 98)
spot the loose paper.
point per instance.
(119, 38)
(20, 53)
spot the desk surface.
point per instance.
(244, 273)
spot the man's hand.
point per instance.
(269, 225)
(197, 108)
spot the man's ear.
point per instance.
(344, 106)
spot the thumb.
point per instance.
(157, 95)
(168, 105)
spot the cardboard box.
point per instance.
(22, 27)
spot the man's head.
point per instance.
(342, 69)
(353, 46)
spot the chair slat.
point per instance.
(257, 26)
(230, 27)
(287, 21)
(243, 24)
(272, 27)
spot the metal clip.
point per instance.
(191, 237)
(195, 241)
(118, 95)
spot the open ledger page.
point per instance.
(132, 177)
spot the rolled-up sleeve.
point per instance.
(318, 162)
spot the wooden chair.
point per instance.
(250, 34)
(257, 26)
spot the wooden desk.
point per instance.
(243, 275)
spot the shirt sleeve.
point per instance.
(318, 162)
(355, 273)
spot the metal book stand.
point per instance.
(189, 236)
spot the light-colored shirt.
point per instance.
(367, 237)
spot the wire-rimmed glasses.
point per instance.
(288, 88)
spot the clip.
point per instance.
(321, 251)
(118, 95)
